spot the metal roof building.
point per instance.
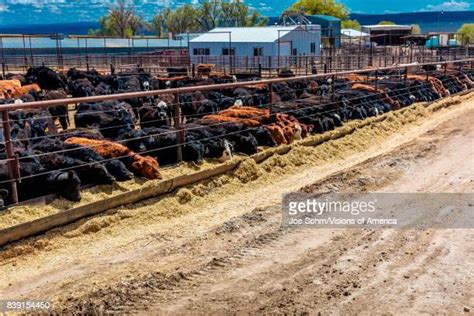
(354, 37)
(387, 34)
(330, 25)
(258, 41)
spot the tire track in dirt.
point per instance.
(339, 277)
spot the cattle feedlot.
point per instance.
(131, 193)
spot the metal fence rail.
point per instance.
(330, 60)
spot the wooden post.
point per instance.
(12, 162)
(180, 137)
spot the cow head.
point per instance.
(227, 153)
(238, 103)
(3, 195)
(102, 175)
(264, 137)
(168, 84)
(68, 185)
(146, 166)
(146, 85)
(298, 132)
(118, 170)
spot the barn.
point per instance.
(257, 42)
(387, 34)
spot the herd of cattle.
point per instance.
(116, 140)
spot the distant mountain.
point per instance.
(449, 21)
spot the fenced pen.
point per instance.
(157, 55)
(328, 100)
(394, 79)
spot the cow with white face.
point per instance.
(227, 153)
(154, 114)
(162, 110)
(238, 103)
(298, 135)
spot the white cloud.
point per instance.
(54, 9)
(35, 2)
(3, 8)
(451, 5)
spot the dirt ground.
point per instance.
(218, 247)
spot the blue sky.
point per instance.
(62, 11)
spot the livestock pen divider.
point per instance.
(12, 161)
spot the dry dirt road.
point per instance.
(219, 247)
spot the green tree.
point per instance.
(386, 23)
(121, 21)
(415, 29)
(182, 20)
(238, 14)
(205, 16)
(209, 14)
(351, 24)
(326, 7)
(465, 35)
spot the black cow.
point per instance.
(111, 118)
(61, 111)
(46, 78)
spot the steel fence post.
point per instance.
(180, 137)
(12, 161)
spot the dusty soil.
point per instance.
(218, 247)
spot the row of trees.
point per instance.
(123, 21)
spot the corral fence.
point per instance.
(158, 55)
(399, 73)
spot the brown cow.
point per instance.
(222, 118)
(246, 112)
(204, 69)
(24, 90)
(437, 85)
(143, 165)
(277, 133)
(363, 87)
(7, 87)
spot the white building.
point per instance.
(270, 41)
(354, 37)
